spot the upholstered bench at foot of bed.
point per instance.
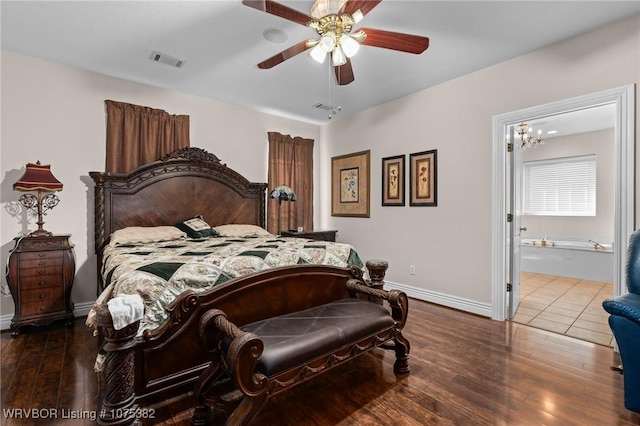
(295, 338)
(270, 355)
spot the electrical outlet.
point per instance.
(412, 269)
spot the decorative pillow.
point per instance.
(242, 231)
(145, 234)
(196, 228)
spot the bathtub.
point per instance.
(573, 259)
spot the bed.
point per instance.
(159, 355)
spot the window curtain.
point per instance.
(291, 164)
(137, 135)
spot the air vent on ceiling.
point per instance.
(324, 107)
(163, 58)
(332, 109)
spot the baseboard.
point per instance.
(79, 310)
(467, 305)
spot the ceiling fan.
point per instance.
(333, 20)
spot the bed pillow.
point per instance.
(145, 234)
(242, 231)
(196, 228)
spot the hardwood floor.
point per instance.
(465, 370)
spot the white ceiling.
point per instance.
(222, 41)
(580, 121)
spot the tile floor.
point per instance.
(568, 306)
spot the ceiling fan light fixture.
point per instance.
(318, 53)
(337, 57)
(349, 45)
(328, 41)
(326, 7)
(333, 21)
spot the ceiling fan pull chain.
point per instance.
(333, 89)
(331, 95)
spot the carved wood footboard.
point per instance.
(169, 360)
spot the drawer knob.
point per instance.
(41, 254)
(41, 295)
(42, 272)
(42, 308)
(42, 262)
(41, 283)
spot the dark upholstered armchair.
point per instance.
(625, 324)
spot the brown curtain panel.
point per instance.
(137, 135)
(291, 164)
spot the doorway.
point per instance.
(567, 223)
(505, 232)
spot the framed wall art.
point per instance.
(423, 178)
(393, 181)
(350, 184)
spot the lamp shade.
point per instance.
(283, 193)
(38, 177)
(349, 45)
(318, 54)
(337, 57)
(328, 41)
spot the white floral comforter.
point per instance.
(159, 272)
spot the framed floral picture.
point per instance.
(423, 178)
(350, 184)
(393, 181)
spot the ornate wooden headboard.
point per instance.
(186, 183)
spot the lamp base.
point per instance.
(40, 233)
(279, 209)
(39, 205)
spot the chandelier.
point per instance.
(334, 31)
(527, 138)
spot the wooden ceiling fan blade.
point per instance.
(365, 6)
(280, 10)
(344, 73)
(395, 41)
(286, 54)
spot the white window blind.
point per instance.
(560, 186)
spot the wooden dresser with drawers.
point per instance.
(40, 274)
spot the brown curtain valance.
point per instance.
(291, 164)
(137, 135)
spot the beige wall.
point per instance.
(599, 227)
(450, 245)
(55, 114)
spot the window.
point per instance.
(560, 186)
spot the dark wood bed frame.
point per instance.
(186, 183)
(167, 361)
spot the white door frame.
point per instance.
(624, 135)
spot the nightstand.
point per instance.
(40, 274)
(314, 235)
